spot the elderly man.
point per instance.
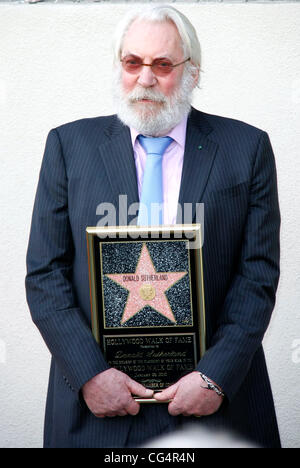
(225, 164)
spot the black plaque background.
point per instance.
(194, 350)
(155, 361)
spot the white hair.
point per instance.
(161, 13)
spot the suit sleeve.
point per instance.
(50, 294)
(250, 299)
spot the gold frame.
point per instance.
(191, 232)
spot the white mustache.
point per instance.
(140, 94)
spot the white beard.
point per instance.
(153, 119)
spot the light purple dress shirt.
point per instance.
(171, 167)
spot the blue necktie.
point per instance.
(151, 201)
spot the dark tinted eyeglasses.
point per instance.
(160, 66)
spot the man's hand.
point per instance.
(190, 398)
(110, 394)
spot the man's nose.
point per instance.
(146, 77)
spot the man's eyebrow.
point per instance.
(125, 54)
(159, 57)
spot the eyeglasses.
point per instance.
(160, 66)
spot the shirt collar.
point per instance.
(178, 133)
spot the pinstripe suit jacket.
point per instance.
(91, 161)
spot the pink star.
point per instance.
(147, 287)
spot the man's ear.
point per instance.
(196, 74)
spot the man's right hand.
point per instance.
(110, 394)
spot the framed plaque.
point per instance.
(147, 300)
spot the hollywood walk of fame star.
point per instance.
(143, 292)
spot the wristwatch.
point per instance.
(210, 385)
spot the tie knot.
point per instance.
(155, 145)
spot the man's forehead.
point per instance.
(159, 39)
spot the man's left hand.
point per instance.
(190, 398)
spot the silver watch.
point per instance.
(210, 385)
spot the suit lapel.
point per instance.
(117, 156)
(199, 156)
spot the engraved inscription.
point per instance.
(155, 361)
